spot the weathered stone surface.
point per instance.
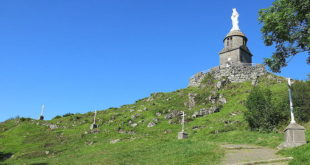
(53, 126)
(191, 100)
(195, 81)
(93, 126)
(221, 99)
(158, 114)
(173, 114)
(152, 123)
(133, 124)
(234, 73)
(114, 141)
(135, 116)
(294, 136)
(182, 135)
(204, 111)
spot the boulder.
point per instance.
(204, 111)
(173, 114)
(133, 124)
(114, 141)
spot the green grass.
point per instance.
(33, 142)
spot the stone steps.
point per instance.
(251, 154)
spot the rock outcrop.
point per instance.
(234, 73)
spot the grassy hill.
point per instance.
(146, 132)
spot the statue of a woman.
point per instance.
(234, 19)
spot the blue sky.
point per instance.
(80, 55)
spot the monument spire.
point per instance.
(291, 101)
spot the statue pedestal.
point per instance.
(294, 135)
(182, 135)
(93, 126)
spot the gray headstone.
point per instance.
(294, 135)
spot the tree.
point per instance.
(286, 25)
(264, 113)
(301, 97)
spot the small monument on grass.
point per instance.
(294, 134)
(182, 134)
(42, 110)
(94, 125)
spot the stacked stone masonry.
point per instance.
(235, 73)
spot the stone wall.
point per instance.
(235, 73)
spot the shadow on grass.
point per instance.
(4, 156)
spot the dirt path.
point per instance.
(250, 154)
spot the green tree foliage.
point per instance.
(264, 113)
(286, 24)
(301, 100)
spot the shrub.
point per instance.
(263, 113)
(57, 117)
(67, 114)
(24, 119)
(301, 100)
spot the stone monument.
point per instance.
(235, 59)
(182, 134)
(42, 110)
(294, 134)
(94, 125)
(235, 51)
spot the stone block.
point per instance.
(182, 135)
(93, 126)
(294, 135)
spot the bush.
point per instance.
(264, 113)
(57, 117)
(67, 114)
(301, 100)
(24, 119)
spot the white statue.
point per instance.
(234, 19)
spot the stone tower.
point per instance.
(235, 59)
(235, 51)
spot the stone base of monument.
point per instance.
(41, 117)
(93, 126)
(294, 135)
(182, 135)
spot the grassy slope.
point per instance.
(73, 143)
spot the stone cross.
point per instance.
(234, 20)
(95, 116)
(94, 125)
(294, 133)
(182, 134)
(291, 101)
(183, 115)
